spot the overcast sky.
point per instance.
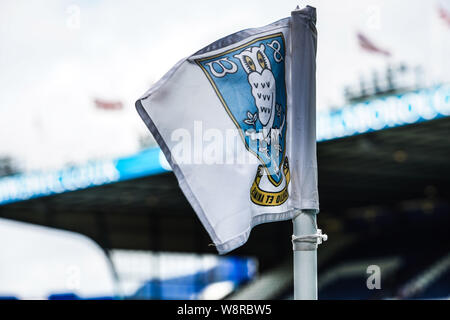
(55, 59)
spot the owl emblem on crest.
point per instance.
(250, 82)
(263, 85)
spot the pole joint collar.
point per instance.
(308, 242)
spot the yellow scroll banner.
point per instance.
(266, 198)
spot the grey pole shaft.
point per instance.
(305, 259)
(303, 41)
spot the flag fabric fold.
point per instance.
(236, 122)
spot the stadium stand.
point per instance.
(384, 180)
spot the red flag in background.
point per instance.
(367, 45)
(444, 14)
(108, 105)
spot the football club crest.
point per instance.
(250, 82)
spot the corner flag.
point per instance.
(236, 122)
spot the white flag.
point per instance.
(236, 122)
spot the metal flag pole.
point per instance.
(306, 236)
(305, 240)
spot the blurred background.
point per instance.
(89, 208)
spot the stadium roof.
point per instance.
(375, 153)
